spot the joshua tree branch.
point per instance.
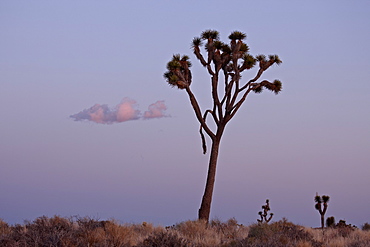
(198, 113)
(259, 73)
(216, 101)
(240, 102)
(204, 145)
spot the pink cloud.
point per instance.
(124, 111)
(156, 110)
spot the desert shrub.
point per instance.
(198, 232)
(90, 232)
(88, 223)
(333, 237)
(281, 233)
(230, 231)
(344, 232)
(330, 221)
(358, 238)
(55, 231)
(164, 239)
(139, 232)
(4, 227)
(119, 235)
(366, 227)
(16, 235)
(343, 229)
(81, 232)
(43, 231)
(191, 229)
(144, 228)
(5, 232)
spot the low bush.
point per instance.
(366, 227)
(165, 239)
(280, 233)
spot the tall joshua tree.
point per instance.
(225, 64)
(321, 205)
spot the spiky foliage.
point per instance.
(261, 57)
(275, 86)
(236, 35)
(244, 48)
(218, 45)
(248, 62)
(275, 59)
(197, 42)
(226, 49)
(178, 74)
(325, 199)
(224, 62)
(210, 34)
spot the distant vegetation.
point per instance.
(321, 206)
(73, 232)
(263, 214)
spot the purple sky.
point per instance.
(63, 58)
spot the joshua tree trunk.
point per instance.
(322, 221)
(205, 208)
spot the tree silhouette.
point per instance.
(263, 214)
(321, 201)
(225, 63)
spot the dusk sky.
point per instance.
(90, 127)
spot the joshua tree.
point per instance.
(323, 200)
(263, 214)
(225, 64)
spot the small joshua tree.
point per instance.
(263, 214)
(321, 201)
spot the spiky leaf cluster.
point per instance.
(223, 56)
(178, 73)
(275, 59)
(210, 34)
(321, 200)
(275, 86)
(197, 42)
(325, 199)
(248, 62)
(236, 35)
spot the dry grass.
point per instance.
(341, 237)
(73, 232)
